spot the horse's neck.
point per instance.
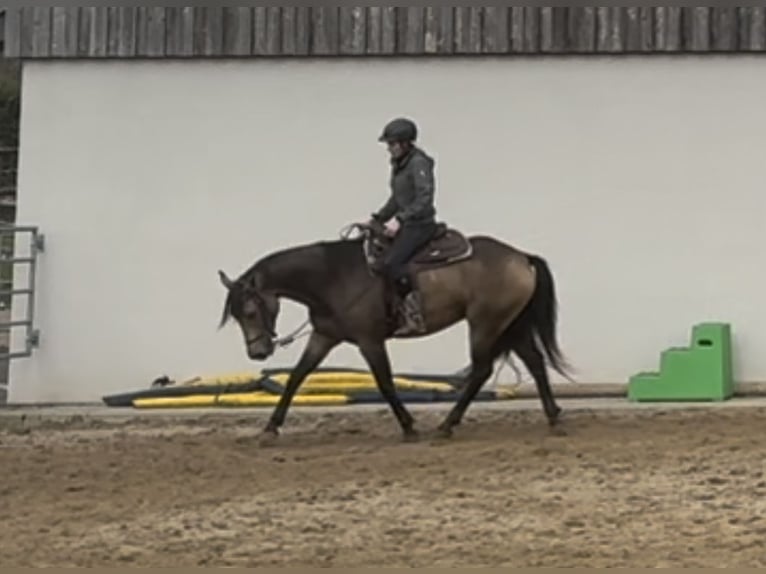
(310, 274)
(293, 274)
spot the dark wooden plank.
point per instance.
(546, 29)
(36, 28)
(381, 30)
(582, 29)
(438, 29)
(639, 26)
(611, 29)
(446, 42)
(744, 23)
(410, 30)
(295, 30)
(215, 26)
(302, 31)
(260, 28)
(179, 31)
(12, 45)
(126, 33)
(84, 34)
(752, 35)
(632, 40)
(696, 22)
(97, 22)
(26, 24)
(208, 31)
(668, 32)
(42, 32)
(150, 39)
(388, 33)
(65, 32)
(516, 28)
(237, 31)
(532, 31)
(59, 35)
(274, 31)
(325, 32)
(431, 29)
(497, 30)
(646, 16)
(142, 31)
(288, 16)
(725, 27)
(353, 30)
(374, 29)
(113, 31)
(468, 30)
(757, 28)
(554, 24)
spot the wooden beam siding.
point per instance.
(204, 32)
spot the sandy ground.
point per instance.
(622, 488)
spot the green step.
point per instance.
(700, 372)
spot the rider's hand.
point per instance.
(392, 227)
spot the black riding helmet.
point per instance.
(399, 130)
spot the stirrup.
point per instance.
(412, 317)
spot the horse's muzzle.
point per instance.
(260, 348)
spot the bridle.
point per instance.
(270, 331)
(367, 231)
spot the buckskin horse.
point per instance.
(507, 297)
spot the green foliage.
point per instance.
(10, 103)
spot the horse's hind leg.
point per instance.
(533, 359)
(481, 370)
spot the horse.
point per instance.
(507, 297)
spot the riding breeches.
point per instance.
(407, 242)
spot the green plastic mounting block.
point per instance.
(700, 372)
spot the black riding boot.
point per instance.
(409, 311)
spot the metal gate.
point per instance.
(10, 261)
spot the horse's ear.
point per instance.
(225, 280)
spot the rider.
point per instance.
(409, 214)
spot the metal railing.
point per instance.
(9, 263)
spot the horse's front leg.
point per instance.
(377, 358)
(317, 349)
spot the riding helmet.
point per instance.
(400, 129)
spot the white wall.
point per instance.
(640, 180)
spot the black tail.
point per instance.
(545, 315)
(541, 316)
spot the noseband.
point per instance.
(267, 318)
(270, 324)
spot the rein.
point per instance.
(284, 342)
(346, 234)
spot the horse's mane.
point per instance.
(334, 255)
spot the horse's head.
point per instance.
(255, 312)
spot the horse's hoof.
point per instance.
(268, 438)
(557, 430)
(554, 418)
(444, 432)
(411, 436)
